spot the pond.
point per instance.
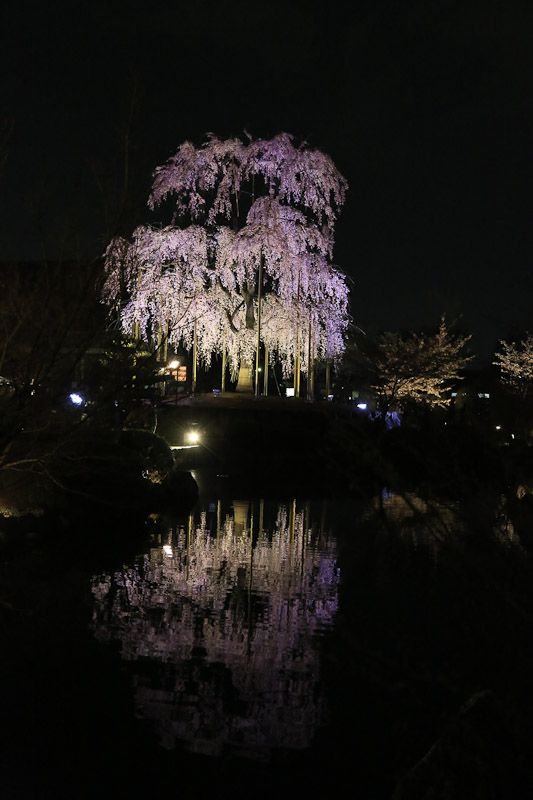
(218, 623)
(383, 641)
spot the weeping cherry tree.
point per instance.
(246, 262)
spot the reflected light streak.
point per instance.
(234, 616)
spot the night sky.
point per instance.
(426, 108)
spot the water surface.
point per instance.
(219, 621)
(256, 644)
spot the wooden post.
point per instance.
(165, 344)
(136, 323)
(297, 366)
(159, 343)
(297, 353)
(258, 342)
(310, 369)
(223, 381)
(194, 359)
(265, 378)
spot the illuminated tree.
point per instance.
(252, 235)
(516, 365)
(515, 361)
(417, 367)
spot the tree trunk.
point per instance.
(245, 383)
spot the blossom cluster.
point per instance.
(241, 210)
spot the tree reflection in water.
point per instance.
(220, 619)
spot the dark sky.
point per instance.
(425, 106)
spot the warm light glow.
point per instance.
(193, 436)
(174, 365)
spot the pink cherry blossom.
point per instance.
(237, 206)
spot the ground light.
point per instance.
(192, 439)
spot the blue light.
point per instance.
(77, 399)
(362, 406)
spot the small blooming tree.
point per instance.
(516, 365)
(252, 223)
(416, 367)
(515, 361)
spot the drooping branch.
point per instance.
(293, 194)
